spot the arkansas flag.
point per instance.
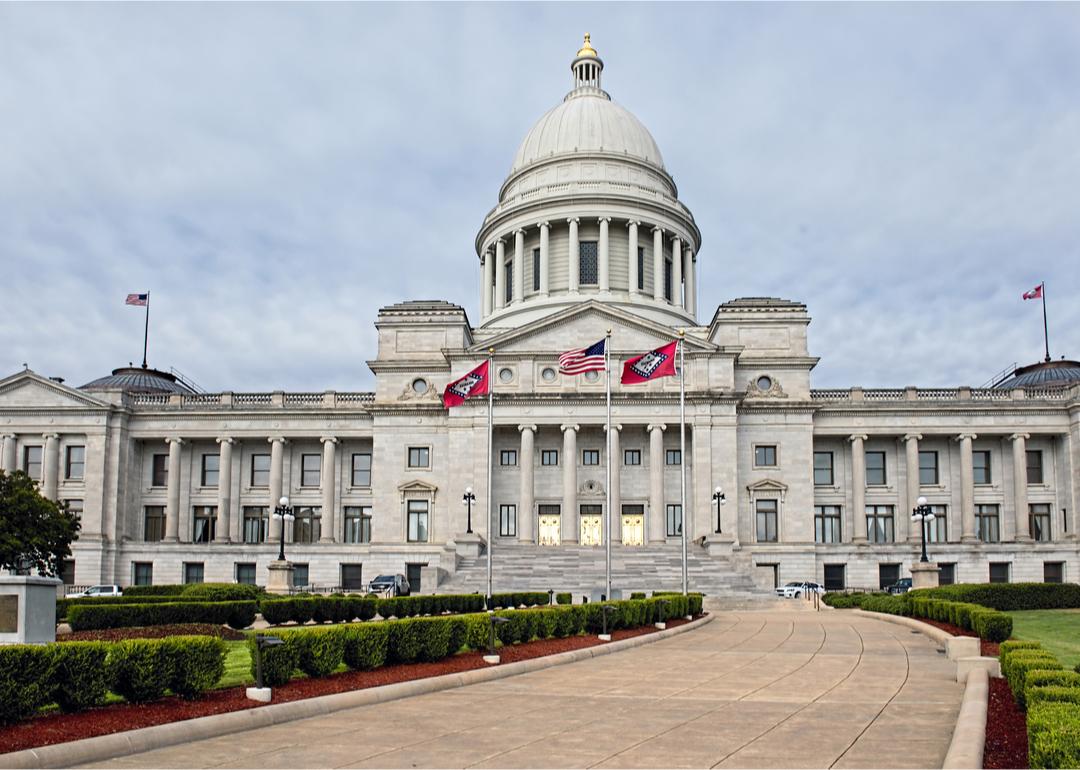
(651, 366)
(1035, 293)
(475, 383)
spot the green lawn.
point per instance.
(237, 666)
(1058, 630)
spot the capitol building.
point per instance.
(588, 234)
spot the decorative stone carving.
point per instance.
(764, 386)
(409, 392)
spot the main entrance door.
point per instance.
(633, 524)
(592, 525)
(549, 525)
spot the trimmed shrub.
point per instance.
(197, 663)
(564, 598)
(1036, 678)
(887, 603)
(476, 631)
(637, 594)
(547, 623)
(278, 662)
(435, 636)
(991, 625)
(318, 651)
(1054, 735)
(26, 680)
(844, 601)
(63, 605)
(93, 617)
(518, 599)
(365, 646)
(221, 592)
(276, 611)
(141, 669)
(362, 607)
(456, 639)
(1012, 645)
(1019, 666)
(1051, 693)
(1007, 661)
(564, 622)
(405, 641)
(80, 676)
(1009, 596)
(163, 590)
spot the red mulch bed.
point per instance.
(1006, 729)
(60, 728)
(153, 632)
(989, 649)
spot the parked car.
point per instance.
(395, 585)
(901, 586)
(781, 591)
(799, 590)
(98, 591)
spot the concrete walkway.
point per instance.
(751, 689)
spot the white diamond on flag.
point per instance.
(648, 363)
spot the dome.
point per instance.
(1045, 374)
(137, 379)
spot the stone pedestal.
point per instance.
(721, 544)
(957, 647)
(469, 545)
(27, 609)
(924, 574)
(281, 577)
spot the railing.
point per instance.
(252, 399)
(355, 398)
(228, 400)
(835, 395)
(202, 399)
(938, 394)
(830, 394)
(884, 394)
(147, 398)
(303, 398)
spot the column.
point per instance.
(8, 463)
(519, 265)
(50, 465)
(277, 453)
(1020, 484)
(658, 263)
(489, 279)
(615, 458)
(545, 232)
(604, 268)
(633, 247)
(500, 273)
(526, 499)
(656, 483)
(676, 272)
(569, 521)
(690, 279)
(572, 257)
(224, 490)
(172, 502)
(858, 488)
(967, 489)
(328, 478)
(911, 455)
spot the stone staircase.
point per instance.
(580, 570)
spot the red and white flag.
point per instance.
(475, 383)
(1035, 293)
(137, 299)
(590, 359)
(651, 366)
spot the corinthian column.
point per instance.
(50, 466)
(632, 227)
(519, 265)
(545, 233)
(911, 455)
(328, 477)
(277, 456)
(500, 274)
(569, 521)
(691, 282)
(525, 500)
(604, 270)
(7, 457)
(573, 259)
(858, 488)
(656, 483)
(967, 489)
(489, 278)
(676, 272)
(1020, 483)
(224, 490)
(172, 500)
(658, 263)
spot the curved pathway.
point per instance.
(773, 688)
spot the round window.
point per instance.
(506, 375)
(548, 374)
(592, 376)
(764, 383)
(419, 385)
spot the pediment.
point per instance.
(417, 485)
(28, 389)
(767, 487)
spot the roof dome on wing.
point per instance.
(1045, 374)
(137, 379)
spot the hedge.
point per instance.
(64, 605)
(1054, 735)
(81, 678)
(26, 680)
(989, 624)
(221, 592)
(163, 590)
(1020, 664)
(844, 601)
(1008, 597)
(98, 616)
(517, 599)
(337, 608)
(1051, 693)
(1038, 678)
(564, 597)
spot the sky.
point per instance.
(275, 173)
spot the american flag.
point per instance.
(583, 360)
(136, 299)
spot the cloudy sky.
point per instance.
(276, 173)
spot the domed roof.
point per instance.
(138, 379)
(1045, 374)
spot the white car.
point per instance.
(98, 591)
(798, 590)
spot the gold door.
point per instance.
(549, 530)
(633, 530)
(592, 530)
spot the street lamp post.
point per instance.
(284, 513)
(924, 515)
(720, 499)
(469, 499)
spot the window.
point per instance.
(352, 577)
(1039, 522)
(361, 469)
(418, 521)
(946, 573)
(549, 510)
(536, 269)
(590, 456)
(75, 462)
(834, 577)
(999, 572)
(980, 463)
(887, 575)
(986, 523)
(255, 523)
(938, 531)
(674, 521)
(673, 457)
(32, 461)
(67, 572)
(260, 470)
(508, 271)
(640, 268)
(508, 457)
(419, 457)
(310, 470)
(204, 520)
(879, 523)
(632, 457)
(300, 576)
(765, 456)
(159, 471)
(549, 457)
(823, 469)
(211, 465)
(1053, 572)
(928, 468)
(827, 524)
(307, 527)
(358, 524)
(154, 523)
(75, 506)
(875, 468)
(1034, 466)
(142, 573)
(245, 573)
(667, 279)
(587, 261)
(193, 572)
(507, 520)
(765, 515)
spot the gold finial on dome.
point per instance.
(586, 48)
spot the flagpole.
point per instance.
(146, 328)
(491, 508)
(610, 460)
(682, 449)
(1046, 333)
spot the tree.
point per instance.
(35, 532)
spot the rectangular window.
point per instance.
(536, 269)
(75, 506)
(193, 572)
(549, 510)
(307, 527)
(827, 524)
(245, 573)
(938, 529)
(980, 463)
(946, 573)
(640, 268)
(879, 524)
(418, 521)
(875, 468)
(508, 457)
(361, 469)
(986, 523)
(358, 524)
(211, 466)
(1034, 466)
(1053, 572)
(154, 523)
(765, 515)
(673, 457)
(765, 456)
(310, 470)
(549, 457)
(67, 572)
(674, 521)
(260, 470)
(75, 462)
(508, 521)
(834, 577)
(632, 457)
(32, 462)
(159, 471)
(204, 520)
(928, 468)
(508, 271)
(587, 253)
(301, 577)
(1039, 521)
(419, 457)
(823, 469)
(352, 577)
(255, 522)
(667, 279)
(590, 456)
(999, 572)
(142, 573)
(887, 575)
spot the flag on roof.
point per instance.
(590, 359)
(136, 299)
(651, 366)
(1035, 293)
(475, 383)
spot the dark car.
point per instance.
(901, 586)
(395, 585)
